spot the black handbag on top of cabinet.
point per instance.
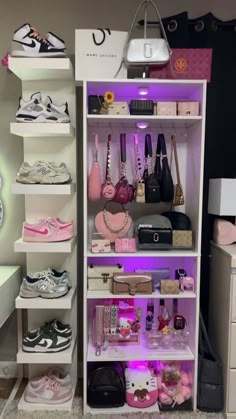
(106, 387)
(163, 172)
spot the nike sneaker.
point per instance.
(44, 340)
(42, 173)
(42, 287)
(63, 378)
(60, 112)
(48, 230)
(55, 41)
(27, 42)
(59, 328)
(34, 110)
(46, 390)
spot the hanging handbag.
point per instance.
(124, 192)
(113, 226)
(210, 397)
(140, 186)
(152, 184)
(94, 180)
(108, 189)
(163, 172)
(147, 50)
(178, 190)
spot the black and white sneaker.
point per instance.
(61, 329)
(29, 43)
(44, 341)
(55, 41)
(34, 110)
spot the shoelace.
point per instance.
(35, 34)
(53, 384)
(51, 224)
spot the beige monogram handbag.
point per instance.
(100, 276)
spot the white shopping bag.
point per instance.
(99, 54)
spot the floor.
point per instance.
(12, 413)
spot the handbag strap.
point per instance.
(123, 154)
(138, 164)
(174, 152)
(108, 224)
(96, 147)
(108, 161)
(146, 3)
(148, 153)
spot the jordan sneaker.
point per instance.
(34, 110)
(60, 112)
(55, 41)
(27, 42)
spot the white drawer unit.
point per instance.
(10, 281)
(222, 318)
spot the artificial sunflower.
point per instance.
(109, 97)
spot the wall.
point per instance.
(62, 17)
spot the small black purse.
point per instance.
(152, 184)
(95, 103)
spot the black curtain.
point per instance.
(220, 143)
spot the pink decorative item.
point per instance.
(125, 327)
(101, 246)
(188, 108)
(141, 387)
(113, 226)
(125, 245)
(94, 180)
(188, 64)
(224, 232)
(48, 230)
(187, 284)
(175, 386)
(5, 61)
(166, 108)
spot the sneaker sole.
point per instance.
(31, 294)
(27, 181)
(45, 401)
(40, 239)
(43, 120)
(43, 350)
(37, 54)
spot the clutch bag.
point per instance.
(131, 283)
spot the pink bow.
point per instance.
(5, 61)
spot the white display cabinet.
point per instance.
(190, 133)
(50, 142)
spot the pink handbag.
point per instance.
(125, 245)
(224, 232)
(94, 181)
(113, 226)
(189, 64)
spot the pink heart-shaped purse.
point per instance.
(113, 226)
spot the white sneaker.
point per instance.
(34, 110)
(60, 112)
(55, 41)
(27, 42)
(41, 173)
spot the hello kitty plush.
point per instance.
(125, 327)
(141, 387)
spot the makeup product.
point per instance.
(149, 316)
(179, 321)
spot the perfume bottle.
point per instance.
(150, 314)
(180, 335)
(164, 318)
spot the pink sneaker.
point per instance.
(48, 230)
(46, 391)
(63, 378)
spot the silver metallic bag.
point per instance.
(147, 50)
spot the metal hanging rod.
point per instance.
(199, 24)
